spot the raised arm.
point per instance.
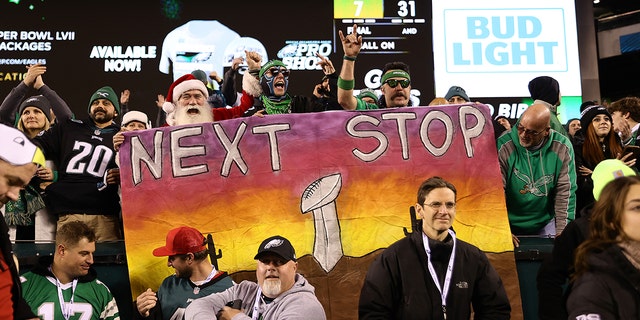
(12, 101)
(351, 45)
(59, 107)
(229, 82)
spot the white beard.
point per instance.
(271, 287)
(183, 117)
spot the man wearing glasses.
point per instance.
(395, 83)
(431, 274)
(538, 174)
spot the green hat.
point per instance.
(105, 92)
(607, 171)
(367, 93)
(200, 75)
(270, 64)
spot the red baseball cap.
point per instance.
(182, 240)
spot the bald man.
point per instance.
(538, 175)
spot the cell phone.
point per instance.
(631, 149)
(235, 304)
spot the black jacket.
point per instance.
(398, 285)
(611, 289)
(553, 275)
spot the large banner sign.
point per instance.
(338, 184)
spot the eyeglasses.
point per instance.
(393, 83)
(437, 205)
(529, 132)
(275, 71)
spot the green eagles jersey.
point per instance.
(92, 300)
(175, 293)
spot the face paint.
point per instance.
(268, 81)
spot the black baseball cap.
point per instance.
(277, 245)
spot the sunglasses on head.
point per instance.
(393, 83)
(276, 70)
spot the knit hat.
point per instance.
(279, 246)
(105, 92)
(457, 91)
(40, 102)
(566, 125)
(182, 240)
(200, 75)
(367, 93)
(17, 149)
(545, 88)
(587, 104)
(135, 116)
(589, 113)
(606, 171)
(181, 85)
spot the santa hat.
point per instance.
(180, 86)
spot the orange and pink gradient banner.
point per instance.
(355, 174)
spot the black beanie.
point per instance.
(40, 102)
(586, 104)
(591, 112)
(545, 88)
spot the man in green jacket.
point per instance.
(538, 173)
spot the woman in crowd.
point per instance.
(32, 116)
(597, 142)
(607, 265)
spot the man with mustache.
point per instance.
(281, 292)
(395, 82)
(186, 103)
(65, 286)
(88, 178)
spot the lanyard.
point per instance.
(256, 305)
(66, 308)
(213, 273)
(432, 270)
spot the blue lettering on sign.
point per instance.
(521, 49)
(528, 27)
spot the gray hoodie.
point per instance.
(299, 302)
